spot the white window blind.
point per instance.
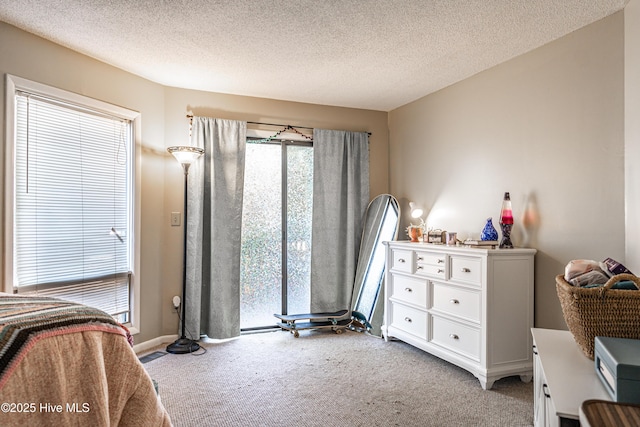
(73, 208)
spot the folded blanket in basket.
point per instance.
(625, 284)
(590, 278)
(583, 272)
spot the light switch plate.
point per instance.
(175, 219)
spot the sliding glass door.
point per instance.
(276, 231)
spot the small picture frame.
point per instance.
(452, 238)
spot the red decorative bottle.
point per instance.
(506, 222)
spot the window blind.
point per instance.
(72, 204)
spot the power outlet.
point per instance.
(175, 219)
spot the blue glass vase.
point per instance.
(489, 232)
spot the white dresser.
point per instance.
(472, 307)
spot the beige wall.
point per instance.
(33, 58)
(546, 126)
(632, 133)
(180, 101)
(163, 112)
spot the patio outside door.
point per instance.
(276, 232)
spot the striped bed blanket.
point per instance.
(63, 363)
(24, 320)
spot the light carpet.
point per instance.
(327, 379)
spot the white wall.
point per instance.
(632, 133)
(546, 126)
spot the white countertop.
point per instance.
(571, 376)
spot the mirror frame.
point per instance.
(371, 260)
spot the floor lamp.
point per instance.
(186, 156)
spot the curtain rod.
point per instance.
(190, 116)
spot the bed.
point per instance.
(63, 363)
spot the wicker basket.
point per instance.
(592, 312)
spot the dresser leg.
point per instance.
(486, 383)
(525, 378)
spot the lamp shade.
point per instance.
(186, 154)
(416, 211)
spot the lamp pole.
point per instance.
(186, 156)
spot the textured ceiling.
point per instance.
(372, 54)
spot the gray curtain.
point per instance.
(340, 198)
(214, 228)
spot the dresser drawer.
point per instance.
(435, 271)
(457, 337)
(401, 260)
(410, 290)
(409, 320)
(457, 302)
(431, 258)
(466, 270)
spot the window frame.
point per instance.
(15, 84)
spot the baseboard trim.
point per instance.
(143, 346)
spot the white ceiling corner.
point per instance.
(369, 54)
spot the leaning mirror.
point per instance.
(380, 225)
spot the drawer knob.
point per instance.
(408, 289)
(420, 258)
(440, 261)
(401, 260)
(440, 270)
(408, 319)
(466, 270)
(454, 301)
(419, 267)
(454, 336)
